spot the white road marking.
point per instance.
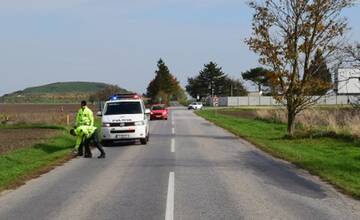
(173, 130)
(169, 215)
(172, 145)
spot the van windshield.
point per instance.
(118, 108)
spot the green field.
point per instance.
(336, 160)
(24, 163)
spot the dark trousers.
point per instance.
(95, 140)
(81, 147)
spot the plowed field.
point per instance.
(11, 139)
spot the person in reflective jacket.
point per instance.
(84, 117)
(84, 136)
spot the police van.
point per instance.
(124, 117)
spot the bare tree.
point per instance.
(352, 58)
(106, 92)
(286, 35)
(352, 54)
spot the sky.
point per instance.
(120, 42)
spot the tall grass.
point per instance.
(336, 121)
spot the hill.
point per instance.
(64, 92)
(66, 87)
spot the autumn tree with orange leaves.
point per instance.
(164, 87)
(286, 35)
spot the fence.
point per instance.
(270, 101)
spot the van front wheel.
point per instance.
(143, 141)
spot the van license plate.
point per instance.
(122, 136)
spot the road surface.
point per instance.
(190, 169)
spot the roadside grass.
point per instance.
(334, 159)
(22, 164)
(18, 166)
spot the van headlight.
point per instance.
(104, 124)
(139, 123)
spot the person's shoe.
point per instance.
(101, 156)
(88, 156)
(74, 153)
(80, 153)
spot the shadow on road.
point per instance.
(119, 144)
(280, 175)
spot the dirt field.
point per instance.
(39, 113)
(11, 139)
(48, 114)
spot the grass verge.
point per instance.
(20, 165)
(334, 159)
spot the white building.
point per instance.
(348, 81)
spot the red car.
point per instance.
(158, 112)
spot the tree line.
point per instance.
(296, 42)
(212, 81)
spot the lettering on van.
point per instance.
(122, 120)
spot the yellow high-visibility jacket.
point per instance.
(82, 133)
(84, 117)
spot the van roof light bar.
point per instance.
(124, 96)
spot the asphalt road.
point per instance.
(190, 169)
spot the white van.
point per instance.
(124, 117)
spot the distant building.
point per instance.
(348, 81)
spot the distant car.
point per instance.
(158, 112)
(195, 106)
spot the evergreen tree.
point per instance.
(164, 87)
(195, 89)
(320, 74)
(210, 81)
(234, 87)
(213, 78)
(213, 81)
(259, 76)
